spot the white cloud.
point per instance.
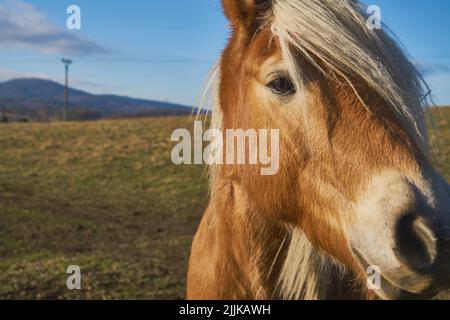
(7, 74)
(90, 86)
(23, 26)
(431, 69)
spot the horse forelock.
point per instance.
(336, 38)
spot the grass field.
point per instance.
(101, 195)
(104, 196)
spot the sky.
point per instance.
(164, 49)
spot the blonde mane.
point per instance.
(336, 34)
(306, 271)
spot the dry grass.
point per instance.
(101, 195)
(104, 196)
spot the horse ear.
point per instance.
(245, 13)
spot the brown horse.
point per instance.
(355, 187)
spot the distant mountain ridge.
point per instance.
(40, 99)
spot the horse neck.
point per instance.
(246, 244)
(269, 260)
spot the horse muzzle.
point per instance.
(402, 229)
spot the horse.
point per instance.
(357, 189)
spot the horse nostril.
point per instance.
(416, 243)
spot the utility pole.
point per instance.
(66, 63)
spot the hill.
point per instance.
(39, 99)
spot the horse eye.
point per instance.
(282, 87)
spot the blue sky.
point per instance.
(163, 49)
